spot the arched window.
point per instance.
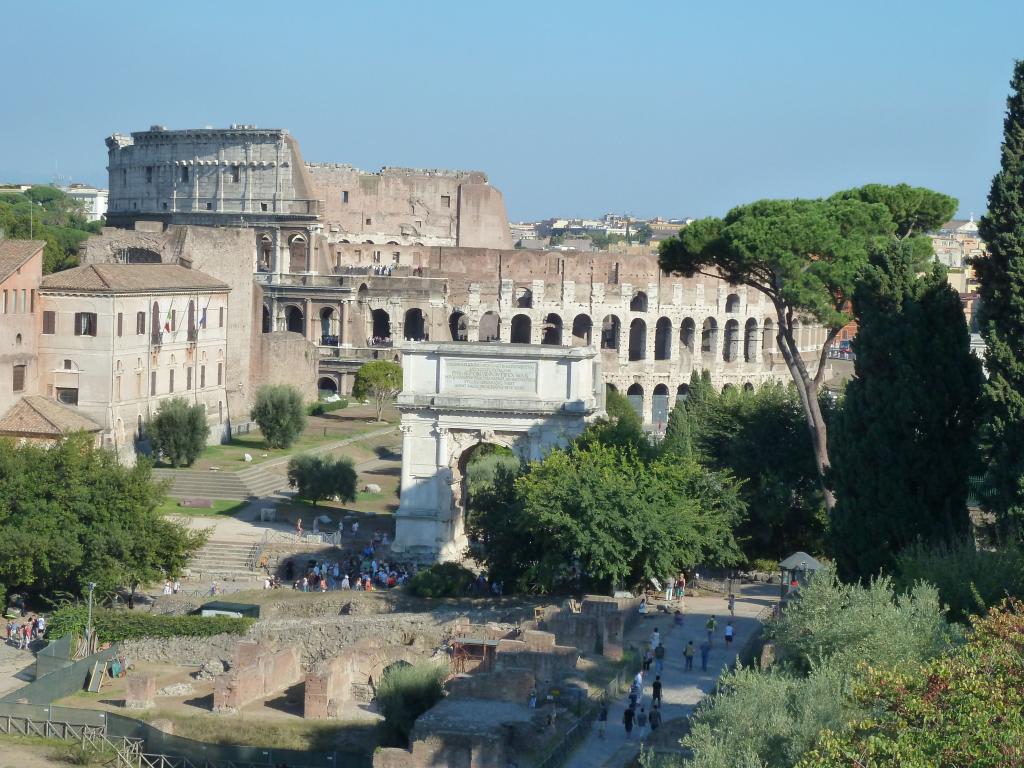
(709, 337)
(610, 332)
(265, 249)
(663, 339)
(380, 328)
(768, 336)
(659, 406)
(730, 352)
(328, 327)
(732, 304)
(750, 341)
(582, 330)
(639, 302)
(524, 298)
(415, 327)
(552, 330)
(490, 327)
(520, 329)
(682, 392)
(637, 340)
(298, 254)
(458, 326)
(688, 334)
(295, 321)
(635, 395)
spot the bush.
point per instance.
(280, 414)
(969, 579)
(405, 692)
(113, 626)
(319, 409)
(179, 430)
(442, 580)
(322, 477)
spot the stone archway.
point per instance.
(459, 395)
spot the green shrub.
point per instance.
(319, 409)
(178, 432)
(280, 414)
(317, 476)
(405, 692)
(441, 580)
(113, 626)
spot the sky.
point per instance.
(572, 108)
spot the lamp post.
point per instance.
(88, 623)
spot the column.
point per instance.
(406, 457)
(308, 312)
(342, 323)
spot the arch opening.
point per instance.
(635, 395)
(610, 328)
(709, 337)
(731, 348)
(294, 320)
(552, 330)
(380, 328)
(521, 328)
(298, 254)
(750, 341)
(732, 304)
(663, 339)
(639, 302)
(490, 327)
(768, 336)
(638, 340)
(326, 386)
(524, 298)
(582, 331)
(328, 327)
(682, 392)
(688, 334)
(458, 326)
(660, 406)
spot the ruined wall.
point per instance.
(264, 674)
(287, 358)
(538, 653)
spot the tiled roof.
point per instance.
(37, 415)
(14, 253)
(131, 278)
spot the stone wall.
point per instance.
(537, 653)
(505, 685)
(287, 358)
(598, 627)
(264, 674)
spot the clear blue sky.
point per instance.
(572, 108)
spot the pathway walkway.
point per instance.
(681, 690)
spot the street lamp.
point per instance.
(88, 623)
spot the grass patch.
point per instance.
(252, 732)
(221, 507)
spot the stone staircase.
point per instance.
(223, 561)
(252, 482)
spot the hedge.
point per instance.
(442, 580)
(319, 409)
(113, 626)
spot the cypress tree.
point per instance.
(902, 443)
(677, 432)
(1001, 321)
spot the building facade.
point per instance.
(21, 269)
(93, 200)
(116, 340)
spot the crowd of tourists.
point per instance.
(21, 633)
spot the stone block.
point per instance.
(248, 652)
(536, 640)
(141, 691)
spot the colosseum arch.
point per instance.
(659, 406)
(298, 254)
(610, 332)
(663, 339)
(458, 326)
(326, 386)
(639, 302)
(635, 395)
(328, 326)
(682, 392)
(750, 341)
(521, 329)
(380, 326)
(582, 331)
(490, 327)
(768, 336)
(524, 298)
(638, 340)
(266, 325)
(748, 387)
(363, 294)
(415, 326)
(731, 348)
(709, 337)
(264, 253)
(136, 255)
(294, 320)
(688, 334)
(552, 330)
(732, 304)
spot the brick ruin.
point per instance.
(257, 671)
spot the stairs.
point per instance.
(223, 561)
(253, 482)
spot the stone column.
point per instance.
(309, 322)
(342, 323)
(406, 456)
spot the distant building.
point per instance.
(21, 269)
(94, 200)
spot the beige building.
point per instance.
(118, 339)
(21, 269)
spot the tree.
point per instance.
(902, 446)
(757, 436)
(70, 514)
(380, 381)
(620, 518)
(322, 477)
(47, 213)
(280, 414)
(621, 427)
(179, 430)
(677, 432)
(805, 257)
(405, 692)
(1001, 321)
(965, 708)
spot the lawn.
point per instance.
(320, 430)
(221, 507)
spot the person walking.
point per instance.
(732, 605)
(627, 721)
(655, 639)
(656, 691)
(602, 719)
(298, 529)
(729, 633)
(711, 625)
(688, 653)
(641, 724)
(705, 651)
(659, 658)
(654, 719)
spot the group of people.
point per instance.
(21, 634)
(363, 572)
(172, 587)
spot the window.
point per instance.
(120, 323)
(149, 174)
(344, 196)
(202, 376)
(188, 378)
(49, 322)
(184, 173)
(124, 176)
(152, 384)
(24, 302)
(17, 340)
(446, 201)
(138, 385)
(5, 302)
(19, 378)
(220, 373)
(170, 381)
(209, 206)
(32, 301)
(85, 323)
(236, 173)
(68, 365)
(369, 221)
(140, 323)
(67, 395)
(220, 314)
(263, 206)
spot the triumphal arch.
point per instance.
(457, 396)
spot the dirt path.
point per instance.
(28, 756)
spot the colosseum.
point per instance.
(359, 261)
